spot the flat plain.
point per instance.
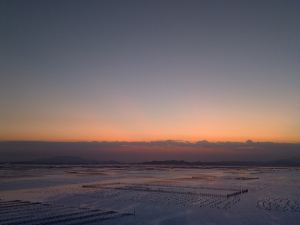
(129, 194)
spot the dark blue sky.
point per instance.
(144, 70)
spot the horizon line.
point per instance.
(154, 140)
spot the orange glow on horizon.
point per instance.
(72, 137)
(191, 123)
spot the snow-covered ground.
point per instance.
(140, 194)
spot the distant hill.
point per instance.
(286, 162)
(68, 160)
(73, 160)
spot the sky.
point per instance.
(150, 70)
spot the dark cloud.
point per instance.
(156, 150)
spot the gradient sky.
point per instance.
(149, 70)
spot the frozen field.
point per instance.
(140, 194)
